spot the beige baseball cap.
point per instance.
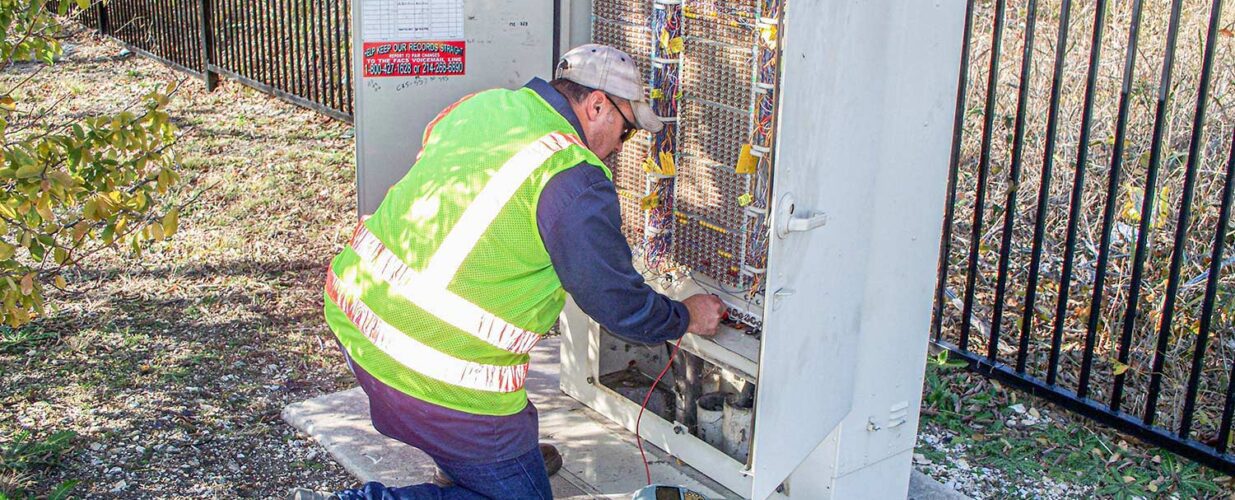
(610, 70)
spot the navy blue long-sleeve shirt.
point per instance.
(580, 225)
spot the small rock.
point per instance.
(113, 471)
(1018, 408)
(921, 459)
(120, 486)
(96, 446)
(141, 450)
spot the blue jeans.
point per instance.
(518, 478)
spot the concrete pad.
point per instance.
(600, 459)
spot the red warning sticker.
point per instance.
(383, 59)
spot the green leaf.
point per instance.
(171, 222)
(29, 171)
(63, 489)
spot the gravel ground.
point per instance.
(172, 371)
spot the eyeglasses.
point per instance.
(628, 128)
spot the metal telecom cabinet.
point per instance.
(801, 179)
(859, 96)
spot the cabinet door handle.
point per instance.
(792, 220)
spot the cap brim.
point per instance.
(645, 118)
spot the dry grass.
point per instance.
(1210, 166)
(173, 370)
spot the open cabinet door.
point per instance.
(835, 104)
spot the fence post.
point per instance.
(104, 29)
(207, 37)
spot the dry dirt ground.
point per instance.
(172, 371)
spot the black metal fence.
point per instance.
(298, 50)
(1088, 213)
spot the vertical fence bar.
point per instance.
(1211, 288)
(206, 12)
(262, 30)
(242, 37)
(316, 19)
(104, 18)
(1185, 213)
(302, 29)
(322, 53)
(167, 23)
(153, 13)
(1112, 188)
(958, 129)
(332, 40)
(1147, 203)
(1207, 306)
(270, 43)
(1044, 193)
(336, 51)
(284, 9)
(984, 166)
(298, 41)
(180, 24)
(315, 81)
(1014, 181)
(1078, 191)
(350, 51)
(223, 22)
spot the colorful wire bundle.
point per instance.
(756, 221)
(667, 44)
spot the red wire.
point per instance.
(638, 439)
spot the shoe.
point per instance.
(441, 479)
(553, 463)
(553, 459)
(308, 494)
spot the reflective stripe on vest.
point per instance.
(481, 212)
(428, 289)
(424, 359)
(442, 303)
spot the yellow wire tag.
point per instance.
(657, 93)
(747, 163)
(664, 39)
(666, 164)
(745, 199)
(650, 166)
(768, 33)
(676, 45)
(649, 202)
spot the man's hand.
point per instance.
(706, 311)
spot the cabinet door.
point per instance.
(864, 122)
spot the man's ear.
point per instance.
(593, 104)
